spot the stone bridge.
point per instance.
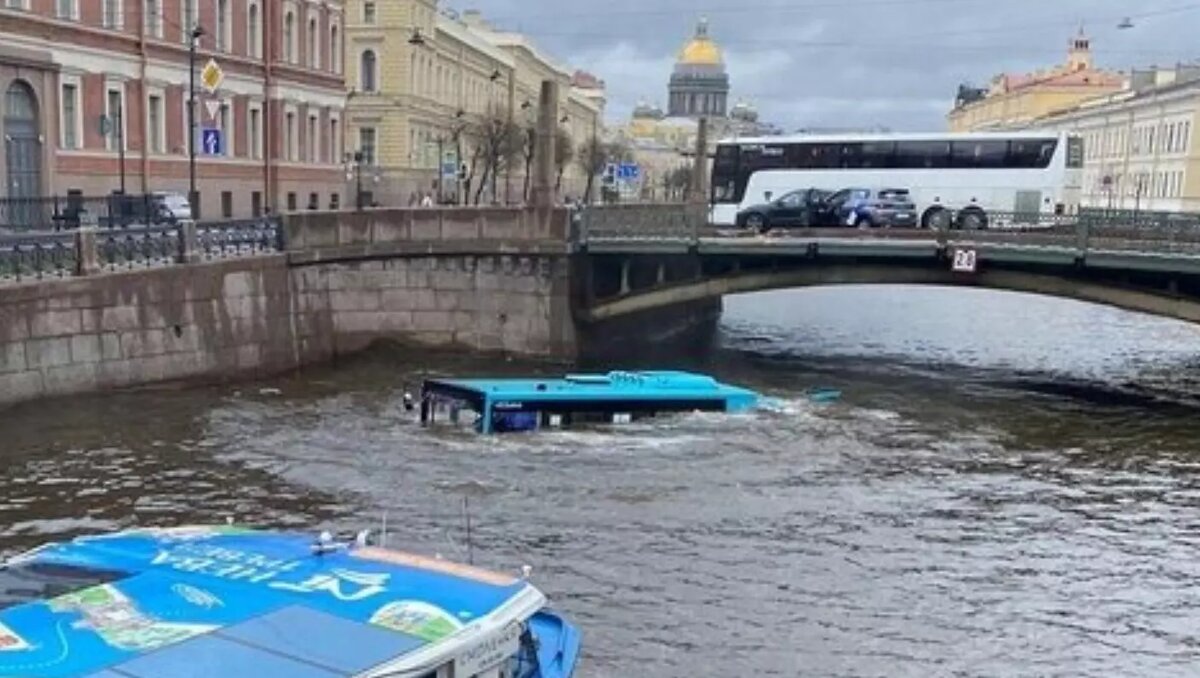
(636, 261)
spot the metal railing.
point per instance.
(39, 255)
(1127, 231)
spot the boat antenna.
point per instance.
(467, 515)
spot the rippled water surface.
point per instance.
(1010, 488)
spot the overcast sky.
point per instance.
(820, 63)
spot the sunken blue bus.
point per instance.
(508, 405)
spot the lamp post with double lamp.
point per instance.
(194, 36)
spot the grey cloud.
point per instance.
(846, 62)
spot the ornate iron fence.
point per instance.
(37, 257)
(143, 246)
(247, 237)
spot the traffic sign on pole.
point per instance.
(210, 141)
(211, 76)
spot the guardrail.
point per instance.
(40, 255)
(660, 225)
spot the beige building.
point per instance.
(1013, 100)
(1141, 145)
(423, 84)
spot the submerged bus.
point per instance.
(956, 180)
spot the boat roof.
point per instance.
(226, 601)
(613, 386)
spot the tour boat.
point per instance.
(505, 405)
(202, 602)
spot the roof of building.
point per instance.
(1089, 77)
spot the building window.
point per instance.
(189, 18)
(256, 204)
(289, 131)
(69, 115)
(114, 112)
(368, 12)
(335, 50)
(291, 201)
(227, 204)
(253, 31)
(366, 144)
(153, 17)
(335, 201)
(156, 123)
(254, 133)
(310, 44)
(311, 138)
(367, 71)
(289, 37)
(113, 14)
(68, 9)
(224, 26)
(224, 123)
(335, 140)
(314, 201)
(17, 4)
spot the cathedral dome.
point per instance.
(700, 56)
(701, 50)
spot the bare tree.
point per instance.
(528, 151)
(499, 142)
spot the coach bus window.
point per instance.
(982, 154)
(923, 154)
(1031, 153)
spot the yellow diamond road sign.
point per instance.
(211, 76)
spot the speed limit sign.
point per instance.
(964, 261)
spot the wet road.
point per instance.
(1011, 487)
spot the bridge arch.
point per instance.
(1155, 297)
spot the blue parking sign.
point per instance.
(210, 141)
(629, 171)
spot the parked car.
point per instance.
(868, 207)
(151, 209)
(799, 209)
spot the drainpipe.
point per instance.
(143, 59)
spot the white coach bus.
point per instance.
(956, 180)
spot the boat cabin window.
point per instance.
(41, 581)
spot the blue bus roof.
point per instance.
(221, 601)
(605, 388)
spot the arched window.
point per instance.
(253, 32)
(335, 50)
(366, 71)
(289, 37)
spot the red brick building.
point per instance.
(79, 76)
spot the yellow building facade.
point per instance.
(421, 80)
(1013, 100)
(1142, 144)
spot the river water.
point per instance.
(1010, 487)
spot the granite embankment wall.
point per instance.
(480, 279)
(137, 327)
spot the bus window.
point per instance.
(1075, 151)
(877, 155)
(816, 156)
(1031, 153)
(923, 154)
(981, 154)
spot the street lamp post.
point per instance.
(193, 37)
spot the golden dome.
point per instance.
(701, 50)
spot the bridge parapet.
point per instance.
(641, 221)
(684, 227)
